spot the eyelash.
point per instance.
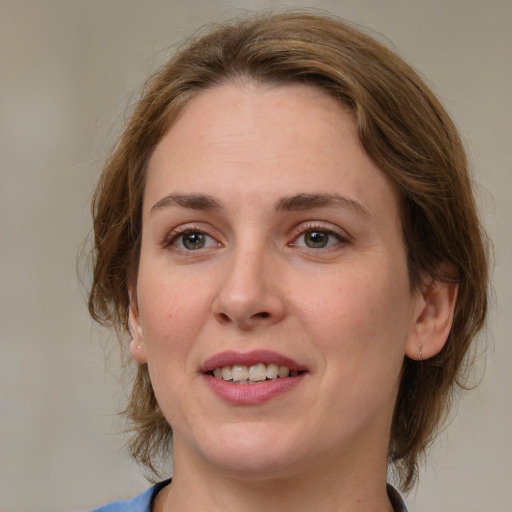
(312, 227)
(179, 234)
(177, 237)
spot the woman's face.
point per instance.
(271, 246)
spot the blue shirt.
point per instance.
(142, 502)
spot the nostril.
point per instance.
(263, 314)
(223, 317)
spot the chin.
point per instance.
(254, 467)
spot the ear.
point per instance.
(137, 347)
(434, 318)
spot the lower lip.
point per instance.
(251, 394)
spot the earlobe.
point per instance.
(137, 347)
(433, 321)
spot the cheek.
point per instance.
(170, 323)
(358, 314)
(170, 311)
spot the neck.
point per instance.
(329, 486)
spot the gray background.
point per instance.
(67, 71)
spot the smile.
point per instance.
(243, 374)
(252, 378)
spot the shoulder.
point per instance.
(140, 503)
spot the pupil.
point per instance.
(193, 241)
(316, 239)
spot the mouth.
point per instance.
(260, 372)
(253, 377)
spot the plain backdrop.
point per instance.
(68, 70)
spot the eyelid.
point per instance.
(339, 240)
(304, 227)
(171, 237)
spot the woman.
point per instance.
(287, 232)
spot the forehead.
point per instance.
(272, 140)
(244, 114)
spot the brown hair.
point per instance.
(402, 127)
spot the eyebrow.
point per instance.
(309, 201)
(296, 202)
(191, 201)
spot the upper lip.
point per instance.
(230, 358)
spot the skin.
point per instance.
(345, 311)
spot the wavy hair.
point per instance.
(402, 127)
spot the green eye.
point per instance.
(193, 241)
(316, 239)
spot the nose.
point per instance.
(249, 294)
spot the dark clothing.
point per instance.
(142, 502)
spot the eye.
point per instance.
(317, 238)
(192, 240)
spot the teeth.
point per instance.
(272, 371)
(284, 372)
(256, 373)
(239, 372)
(226, 372)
